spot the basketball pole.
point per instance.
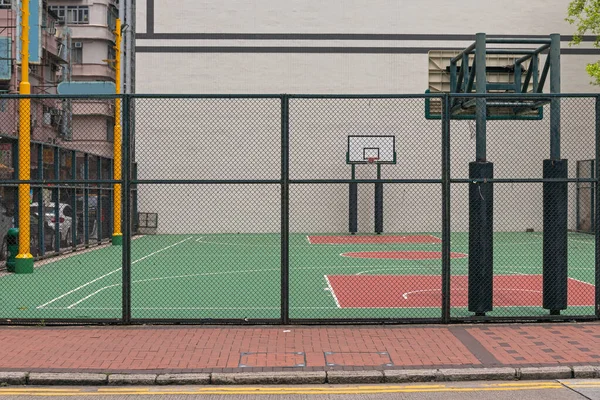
(378, 203)
(555, 198)
(481, 200)
(353, 204)
(24, 260)
(117, 239)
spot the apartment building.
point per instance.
(70, 41)
(49, 67)
(92, 49)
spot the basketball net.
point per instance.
(371, 160)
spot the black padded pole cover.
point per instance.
(353, 209)
(555, 236)
(481, 239)
(378, 207)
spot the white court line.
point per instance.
(405, 295)
(433, 236)
(93, 294)
(110, 273)
(587, 283)
(195, 275)
(324, 244)
(197, 240)
(337, 303)
(76, 289)
(169, 277)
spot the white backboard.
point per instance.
(361, 148)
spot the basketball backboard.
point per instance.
(378, 149)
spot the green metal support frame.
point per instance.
(465, 79)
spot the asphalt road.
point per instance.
(522, 390)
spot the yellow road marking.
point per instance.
(279, 390)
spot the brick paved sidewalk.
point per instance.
(178, 349)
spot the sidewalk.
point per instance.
(573, 349)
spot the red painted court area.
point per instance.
(374, 239)
(418, 291)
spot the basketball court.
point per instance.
(237, 276)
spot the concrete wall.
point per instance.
(335, 47)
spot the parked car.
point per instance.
(65, 220)
(49, 235)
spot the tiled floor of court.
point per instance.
(229, 349)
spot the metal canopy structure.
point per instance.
(468, 74)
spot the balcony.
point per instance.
(92, 72)
(90, 107)
(91, 32)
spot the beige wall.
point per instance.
(240, 139)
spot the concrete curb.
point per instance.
(269, 378)
(79, 379)
(13, 378)
(478, 374)
(132, 379)
(183, 379)
(533, 373)
(303, 377)
(416, 375)
(586, 371)
(349, 377)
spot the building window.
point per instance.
(5, 3)
(60, 11)
(77, 53)
(112, 16)
(72, 14)
(112, 56)
(48, 22)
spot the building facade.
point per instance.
(332, 47)
(92, 24)
(71, 139)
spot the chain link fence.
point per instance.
(300, 209)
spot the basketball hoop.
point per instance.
(371, 160)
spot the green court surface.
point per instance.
(213, 276)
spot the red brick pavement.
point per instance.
(228, 349)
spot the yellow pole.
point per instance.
(117, 234)
(24, 260)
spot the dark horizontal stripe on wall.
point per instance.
(314, 50)
(333, 36)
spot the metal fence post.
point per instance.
(285, 210)
(446, 209)
(126, 182)
(596, 223)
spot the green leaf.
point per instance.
(585, 15)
